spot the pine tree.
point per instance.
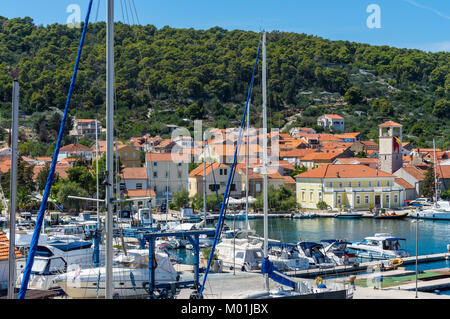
(427, 188)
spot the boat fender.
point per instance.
(318, 281)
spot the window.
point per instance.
(155, 164)
(339, 199)
(366, 199)
(340, 185)
(388, 183)
(359, 184)
(311, 196)
(331, 184)
(138, 185)
(233, 187)
(370, 184)
(303, 196)
(126, 154)
(378, 184)
(258, 187)
(134, 155)
(155, 174)
(388, 199)
(358, 200)
(395, 198)
(214, 187)
(221, 172)
(225, 172)
(349, 184)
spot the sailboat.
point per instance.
(440, 209)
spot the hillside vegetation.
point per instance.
(174, 76)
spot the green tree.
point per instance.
(427, 188)
(354, 96)
(41, 179)
(442, 108)
(71, 189)
(181, 199)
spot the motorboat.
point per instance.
(144, 216)
(315, 254)
(56, 258)
(391, 215)
(337, 251)
(303, 215)
(74, 229)
(435, 213)
(286, 257)
(380, 246)
(348, 214)
(130, 276)
(240, 253)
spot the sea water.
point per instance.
(433, 236)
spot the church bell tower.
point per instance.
(390, 152)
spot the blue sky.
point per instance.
(421, 24)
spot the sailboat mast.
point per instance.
(97, 159)
(204, 180)
(13, 192)
(265, 171)
(246, 167)
(435, 174)
(109, 144)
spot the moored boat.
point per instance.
(380, 246)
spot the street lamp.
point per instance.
(417, 221)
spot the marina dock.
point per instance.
(364, 266)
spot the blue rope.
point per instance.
(48, 185)
(230, 178)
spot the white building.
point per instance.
(333, 121)
(168, 174)
(84, 127)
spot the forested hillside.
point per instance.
(174, 76)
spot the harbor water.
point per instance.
(433, 236)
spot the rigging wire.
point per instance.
(137, 17)
(98, 8)
(230, 178)
(41, 214)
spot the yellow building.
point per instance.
(129, 156)
(355, 186)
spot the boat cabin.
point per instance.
(385, 241)
(48, 266)
(75, 229)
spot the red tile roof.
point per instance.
(75, 148)
(403, 183)
(297, 153)
(4, 248)
(139, 193)
(134, 173)
(343, 171)
(167, 157)
(209, 168)
(321, 156)
(390, 123)
(334, 116)
(414, 172)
